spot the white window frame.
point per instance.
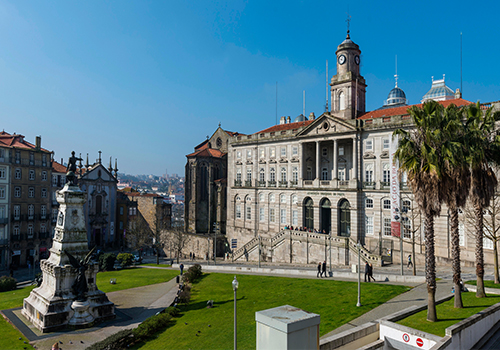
(369, 176)
(386, 203)
(272, 152)
(283, 216)
(17, 192)
(44, 193)
(341, 150)
(248, 212)
(283, 152)
(44, 175)
(295, 151)
(31, 192)
(283, 174)
(283, 198)
(386, 143)
(295, 217)
(369, 203)
(272, 174)
(272, 198)
(272, 215)
(369, 145)
(18, 174)
(386, 229)
(3, 173)
(295, 174)
(369, 225)
(238, 211)
(262, 153)
(31, 175)
(386, 172)
(261, 214)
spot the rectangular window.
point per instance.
(283, 151)
(2, 173)
(283, 216)
(341, 150)
(386, 175)
(341, 174)
(369, 225)
(18, 174)
(238, 154)
(249, 212)
(2, 212)
(261, 214)
(295, 217)
(249, 154)
(262, 153)
(238, 175)
(121, 210)
(31, 174)
(30, 231)
(43, 228)
(387, 226)
(387, 144)
(369, 173)
(17, 211)
(295, 151)
(54, 214)
(272, 152)
(325, 152)
(249, 174)
(44, 175)
(2, 192)
(17, 192)
(238, 211)
(32, 158)
(44, 160)
(18, 157)
(487, 243)
(406, 227)
(43, 211)
(324, 174)
(387, 204)
(272, 216)
(121, 225)
(31, 192)
(369, 145)
(16, 230)
(295, 174)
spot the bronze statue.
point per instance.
(80, 287)
(71, 168)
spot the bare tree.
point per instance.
(138, 233)
(178, 238)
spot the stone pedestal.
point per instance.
(52, 306)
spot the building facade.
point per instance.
(330, 174)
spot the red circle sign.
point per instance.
(420, 342)
(406, 337)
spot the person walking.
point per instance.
(181, 266)
(323, 272)
(367, 271)
(410, 263)
(370, 275)
(319, 270)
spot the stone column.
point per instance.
(335, 156)
(318, 158)
(355, 156)
(302, 161)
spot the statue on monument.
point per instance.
(79, 287)
(71, 168)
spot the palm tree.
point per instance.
(484, 148)
(455, 184)
(418, 157)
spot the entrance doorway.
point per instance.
(308, 213)
(345, 218)
(326, 215)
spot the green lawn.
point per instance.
(335, 301)
(487, 283)
(155, 265)
(448, 315)
(127, 278)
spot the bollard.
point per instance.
(177, 279)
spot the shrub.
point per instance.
(7, 283)
(107, 261)
(185, 295)
(125, 259)
(152, 325)
(117, 341)
(193, 274)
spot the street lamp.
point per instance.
(359, 274)
(235, 288)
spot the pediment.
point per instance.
(328, 124)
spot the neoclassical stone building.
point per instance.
(331, 174)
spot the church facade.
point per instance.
(330, 175)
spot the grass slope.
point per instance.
(335, 301)
(487, 283)
(448, 315)
(127, 278)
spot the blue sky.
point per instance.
(146, 81)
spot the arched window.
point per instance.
(262, 174)
(308, 213)
(272, 175)
(341, 101)
(294, 199)
(345, 218)
(283, 175)
(271, 198)
(261, 197)
(282, 198)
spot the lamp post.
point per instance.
(235, 288)
(331, 273)
(359, 274)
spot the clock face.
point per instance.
(356, 59)
(341, 59)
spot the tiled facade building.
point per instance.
(329, 174)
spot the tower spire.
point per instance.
(348, 20)
(326, 105)
(396, 75)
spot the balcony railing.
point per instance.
(17, 217)
(293, 183)
(283, 183)
(324, 183)
(248, 183)
(308, 182)
(259, 183)
(237, 183)
(44, 217)
(343, 183)
(271, 184)
(403, 186)
(369, 184)
(385, 185)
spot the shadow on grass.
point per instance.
(203, 304)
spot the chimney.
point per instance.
(38, 142)
(283, 120)
(312, 116)
(62, 161)
(288, 120)
(458, 93)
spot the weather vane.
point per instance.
(348, 20)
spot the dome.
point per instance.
(396, 97)
(439, 92)
(300, 118)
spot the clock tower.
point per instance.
(348, 87)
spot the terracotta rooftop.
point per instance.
(58, 167)
(207, 152)
(16, 141)
(288, 126)
(403, 110)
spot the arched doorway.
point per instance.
(345, 218)
(308, 213)
(326, 215)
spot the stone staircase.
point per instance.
(269, 244)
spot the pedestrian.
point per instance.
(324, 268)
(319, 270)
(194, 257)
(370, 275)
(410, 263)
(367, 271)
(190, 256)
(181, 266)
